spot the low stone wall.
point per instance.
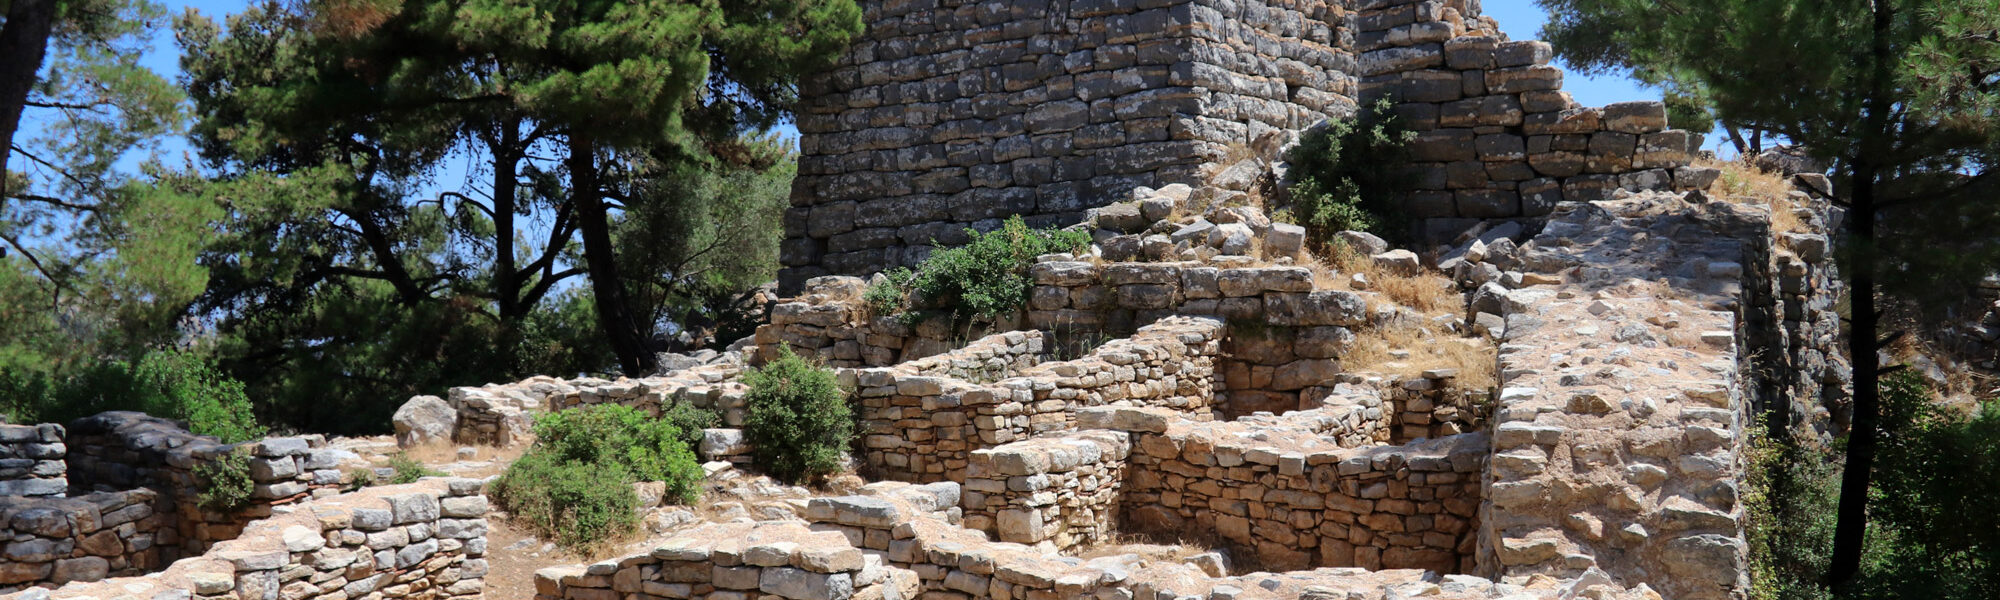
(420, 540)
(734, 560)
(86, 538)
(31, 460)
(922, 428)
(1283, 344)
(1278, 490)
(1431, 406)
(898, 544)
(1058, 492)
(116, 451)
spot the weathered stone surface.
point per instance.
(424, 420)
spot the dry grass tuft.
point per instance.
(1474, 358)
(1742, 182)
(1427, 292)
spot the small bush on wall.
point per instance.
(798, 422)
(985, 278)
(225, 482)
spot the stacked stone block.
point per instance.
(1430, 406)
(1059, 492)
(735, 563)
(31, 460)
(118, 450)
(1285, 336)
(922, 428)
(53, 541)
(420, 540)
(1292, 499)
(949, 115)
(1496, 135)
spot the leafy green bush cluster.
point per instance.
(987, 277)
(1932, 532)
(174, 384)
(798, 422)
(1790, 495)
(1350, 175)
(575, 484)
(225, 483)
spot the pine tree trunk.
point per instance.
(24, 43)
(1850, 530)
(506, 169)
(614, 312)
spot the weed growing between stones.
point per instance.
(575, 484)
(797, 419)
(1346, 175)
(225, 482)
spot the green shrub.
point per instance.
(408, 470)
(1351, 175)
(579, 505)
(575, 484)
(173, 384)
(1791, 491)
(689, 420)
(184, 386)
(988, 276)
(1932, 530)
(891, 295)
(225, 483)
(798, 423)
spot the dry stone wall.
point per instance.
(117, 451)
(425, 540)
(1277, 489)
(31, 460)
(954, 114)
(1497, 137)
(895, 542)
(1063, 490)
(87, 538)
(922, 428)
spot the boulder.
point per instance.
(1399, 262)
(424, 419)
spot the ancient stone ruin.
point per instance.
(1196, 379)
(957, 114)
(128, 522)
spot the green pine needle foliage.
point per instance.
(798, 422)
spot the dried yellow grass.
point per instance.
(1474, 358)
(1427, 292)
(1742, 182)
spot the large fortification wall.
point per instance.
(956, 114)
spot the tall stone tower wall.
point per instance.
(955, 114)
